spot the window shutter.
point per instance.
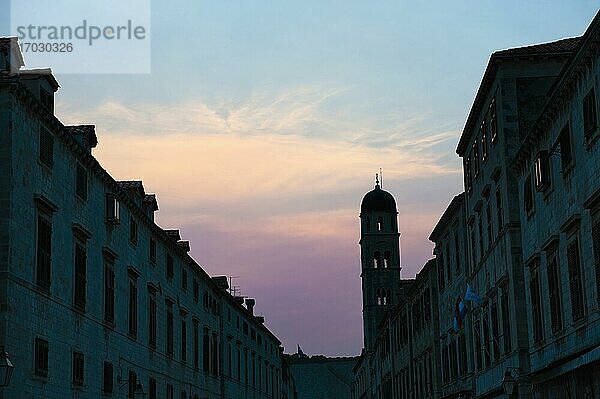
(596, 244)
(577, 310)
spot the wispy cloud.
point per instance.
(272, 186)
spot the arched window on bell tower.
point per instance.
(386, 259)
(379, 223)
(377, 259)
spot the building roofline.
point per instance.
(447, 216)
(590, 42)
(560, 48)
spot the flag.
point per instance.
(472, 296)
(460, 311)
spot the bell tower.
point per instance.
(380, 258)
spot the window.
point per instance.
(528, 195)
(44, 251)
(133, 305)
(133, 231)
(109, 291)
(554, 291)
(78, 368)
(486, 339)
(183, 340)
(566, 150)
(46, 147)
(480, 235)
(376, 259)
(152, 319)
(183, 394)
(379, 223)
(170, 391)
(484, 142)
(387, 259)
(596, 247)
(476, 158)
(590, 122)
(493, 121)
(132, 383)
(112, 209)
(468, 178)
(245, 328)
(169, 329)
(499, 209)
(196, 289)
(151, 388)
(79, 295)
(575, 283)
(495, 331)
(478, 346)
(152, 255)
(205, 351)
(536, 305)
(41, 357)
(215, 355)
(196, 343)
(448, 264)
(505, 320)
(169, 266)
(542, 171)
(488, 214)
(81, 182)
(107, 378)
(456, 253)
(184, 278)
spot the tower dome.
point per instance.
(378, 200)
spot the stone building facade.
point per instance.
(558, 170)
(525, 236)
(95, 297)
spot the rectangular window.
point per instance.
(493, 121)
(457, 253)
(536, 304)
(196, 345)
(476, 158)
(566, 150)
(499, 215)
(109, 291)
(152, 255)
(441, 270)
(484, 142)
(590, 122)
(468, 177)
(170, 391)
(152, 320)
(80, 287)
(542, 171)
(44, 252)
(575, 283)
(41, 357)
(184, 278)
(486, 340)
(170, 329)
(183, 340)
(107, 378)
(596, 248)
(206, 351)
(495, 331)
(133, 307)
(478, 345)
(47, 99)
(528, 195)
(196, 288)
(113, 209)
(133, 231)
(169, 266)
(506, 333)
(480, 236)
(81, 182)
(132, 383)
(488, 214)
(473, 247)
(151, 388)
(554, 291)
(78, 368)
(46, 147)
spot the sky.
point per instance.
(262, 123)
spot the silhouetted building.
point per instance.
(97, 299)
(321, 377)
(525, 236)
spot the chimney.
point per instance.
(250, 302)
(11, 59)
(150, 204)
(221, 282)
(239, 300)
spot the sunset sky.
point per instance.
(262, 124)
